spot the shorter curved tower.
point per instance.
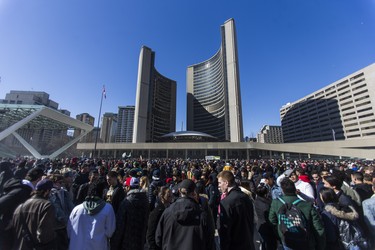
(213, 91)
(155, 108)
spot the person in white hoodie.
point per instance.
(91, 224)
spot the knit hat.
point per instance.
(44, 185)
(35, 173)
(134, 182)
(187, 184)
(156, 174)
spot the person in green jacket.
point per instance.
(315, 227)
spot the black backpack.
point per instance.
(292, 225)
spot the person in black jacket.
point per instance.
(165, 197)
(236, 215)
(184, 224)
(115, 193)
(131, 219)
(15, 193)
(262, 206)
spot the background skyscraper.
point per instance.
(155, 108)
(125, 124)
(109, 127)
(89, 119)
(213, 91)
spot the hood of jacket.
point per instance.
(341, 213)
(93, 205)
(137, 197)
(186, 211)
(14, 183)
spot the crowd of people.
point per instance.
(186, 204)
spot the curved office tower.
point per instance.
(213, 91)
(155, 108)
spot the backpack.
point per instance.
(351, 236)
(292, 225)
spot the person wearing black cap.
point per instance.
(34, 221)
(184, 224)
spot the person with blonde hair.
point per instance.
(144, 184)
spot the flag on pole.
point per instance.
(104, 94)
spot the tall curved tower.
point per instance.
(213, 91)
(155, 108)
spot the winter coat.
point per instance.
(90, 225)
(369, 215)
(316, 231)
(264, 226)
(184, 224)
(117, 196)
(342, 230)
(262, 208)
(364, 190)
(153, 221)
(151, 192)
(63, 206)
(15, 193)
(5, 174)
(131, 222)
(38, 214)
(236, 221)
(351, 193)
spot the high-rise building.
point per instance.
(85, 118)
(155, 108)
(125, 124)
(108, 128)
(270, 134)
(342, 110)
(213, 91)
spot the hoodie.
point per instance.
(184, 223)
(15, 193)
(93, 205)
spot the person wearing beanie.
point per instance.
(184, 223)
(33, 176)
(152, 189)
(34, 221)
(91, 224)
(131, 219)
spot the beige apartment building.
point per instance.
(340, 111)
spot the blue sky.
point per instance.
(287, 48)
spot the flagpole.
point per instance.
(97, 133)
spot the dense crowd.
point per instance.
(186, 204)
